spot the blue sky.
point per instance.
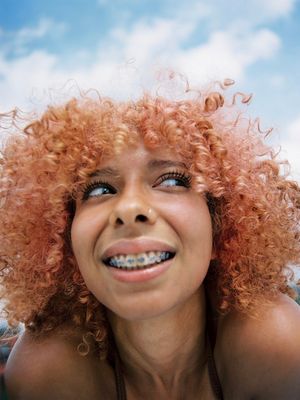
(117, 47)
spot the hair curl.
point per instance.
(254, 206)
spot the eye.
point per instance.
(172, 179)
(97, 189)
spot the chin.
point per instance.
(136, 313)
(138, 310)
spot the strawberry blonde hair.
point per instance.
(254, 206)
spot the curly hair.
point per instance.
(255, 208)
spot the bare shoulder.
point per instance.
(260, 357)
(52, 368)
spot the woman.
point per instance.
(146, 245)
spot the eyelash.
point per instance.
(88, 188)
(183, 177)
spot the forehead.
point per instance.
(139, 155)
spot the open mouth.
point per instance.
(132, 262)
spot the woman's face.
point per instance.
(141, 236)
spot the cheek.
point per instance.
(77, 232)
(192, 221)
(81, 239)
(82, 246)
(85, 228)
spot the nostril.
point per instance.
(119, 221)
(141, 218)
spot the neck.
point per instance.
(165, 353)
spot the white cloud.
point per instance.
(29, 33)
(148, 40)
(162, 43)
(127, 61)
(291, 147)
(130, 58)
(21, 76)
(274, 8)
(220, 14)
(227, 54)
(17, 42)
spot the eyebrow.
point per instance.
(105, 172)
(152, 164)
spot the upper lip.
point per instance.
(134, 246)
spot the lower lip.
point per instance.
(140, 275)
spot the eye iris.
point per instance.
(98, 191)
(173, 182)
(176, 180)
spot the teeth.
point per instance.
(138, 261)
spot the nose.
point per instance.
(132, 209)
